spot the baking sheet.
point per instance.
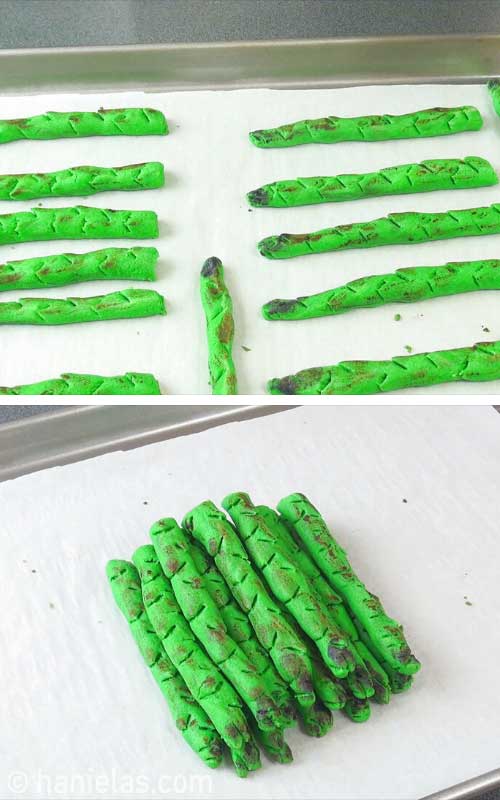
(210, 165)
(77, 703)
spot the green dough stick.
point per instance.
(189, 717)
(274, 745)
(172, 548)
(385, 633)
(390, 680)
(204, 680)
(359, 680)
(77, 222)
(405, 227)
(75, 124)
(111, 263)
(126, 304)
(372, 128)
(211, 528)
(481, 362)
(82, 181)
(316, 720)
(138, 383)
(357, 710)
(494, 90)
(406, 285)
(218, 308)
(289, 585)
(427, 176)
(329, 690)
(379, 677)
(239, 628)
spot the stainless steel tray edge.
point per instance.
(72, 434)
(469, 789)
(232, 65)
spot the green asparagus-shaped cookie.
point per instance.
(77, 222)
(358, 680)
(406, 227)
(481, 362)
(372, 128)
(172, 548)
(138, 383)
(218, 308)
(357, 710)
(189, 717)
(427, 176)
(316, 720)
(127, 304)
(211, 528)
(111, 263)
(289, 585)
(74, 124)
(239, 628)
(385, 633)
(274, 745)
(406, 285)
(203, 678)
(81, 181)
(494, 90)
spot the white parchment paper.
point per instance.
(210, 165)
(77, 703)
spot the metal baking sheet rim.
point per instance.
(63, 436)
(74, 433)
(272, 64)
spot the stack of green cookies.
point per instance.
(252, 621)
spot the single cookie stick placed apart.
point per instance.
(127, 304)
(494, 90)
(109, 264)
(204, 680)
(240, 629)
(372, 128)
(407, 285)
(481, 362)
(77, 222)
(385, 633)
(218, 308)
(405, 227)
(71, 383)
(82, 181)
(189, 717)
(289, 585)
(427, 176)
(76, 124)
(172, 548)
(212, 529)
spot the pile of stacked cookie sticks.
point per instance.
(251, 622)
